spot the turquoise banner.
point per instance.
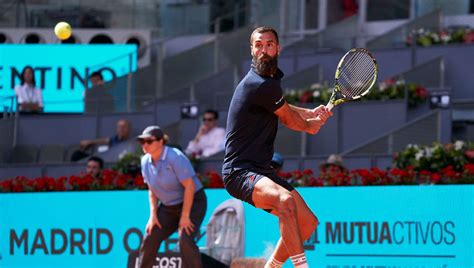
(387, 226)
(60, 70)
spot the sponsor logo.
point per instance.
(280, 100)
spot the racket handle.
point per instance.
(329, 106)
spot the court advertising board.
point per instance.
(379, 226)
(61, 71)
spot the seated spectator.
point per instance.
(277, 162)
(97, 97)
(94, 167)
(123, 133)
(332, 167)
(29, 97)
(97, 79)
(210, 138)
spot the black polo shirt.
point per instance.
(252, 124)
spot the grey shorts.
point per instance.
(240, 183)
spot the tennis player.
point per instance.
(252, 122)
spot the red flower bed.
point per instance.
(376, 176)
(211, 179)
(110, 180)
(113, 180)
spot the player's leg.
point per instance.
(263, 192)
(307, 222)
(269, 195)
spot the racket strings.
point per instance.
(359, 74)
(356, 75)
(361, 78)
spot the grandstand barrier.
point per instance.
(397, 36)
(212, 164)
(386, 115)
(76, 127)
(359, 226)
(143, 84)
(457, 58)
(310, 162)
(424, 130)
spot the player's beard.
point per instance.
(265, 65)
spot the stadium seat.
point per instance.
(4, 150)
(24, 154)
(51, 153)
(74, 147)
(173, 131)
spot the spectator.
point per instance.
(350, 7)
(98, 97)
(29, 97)
(94, 167)
(210, 138)
(122, 134)
(277, 162)
(332, 167)
(97, 79)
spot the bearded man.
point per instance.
(256, 107)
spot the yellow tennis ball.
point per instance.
(63, 30)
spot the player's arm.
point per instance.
(185, 173)
(188, 198)
(153, 220)
(321, 110)
(295, 118)
(153, 199)
(271, 97)
(304, 112)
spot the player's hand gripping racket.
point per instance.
(355, 75)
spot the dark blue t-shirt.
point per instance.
(252, 124)
(114, 140)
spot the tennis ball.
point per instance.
(63, 30)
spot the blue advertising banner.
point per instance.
(386, 226)
(60, 70)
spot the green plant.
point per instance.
(427, 37)
(128, 164)
(389, 89)
(316, 93)
(436, 157)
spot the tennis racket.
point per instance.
(355, 75)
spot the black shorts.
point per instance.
(240, 183)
